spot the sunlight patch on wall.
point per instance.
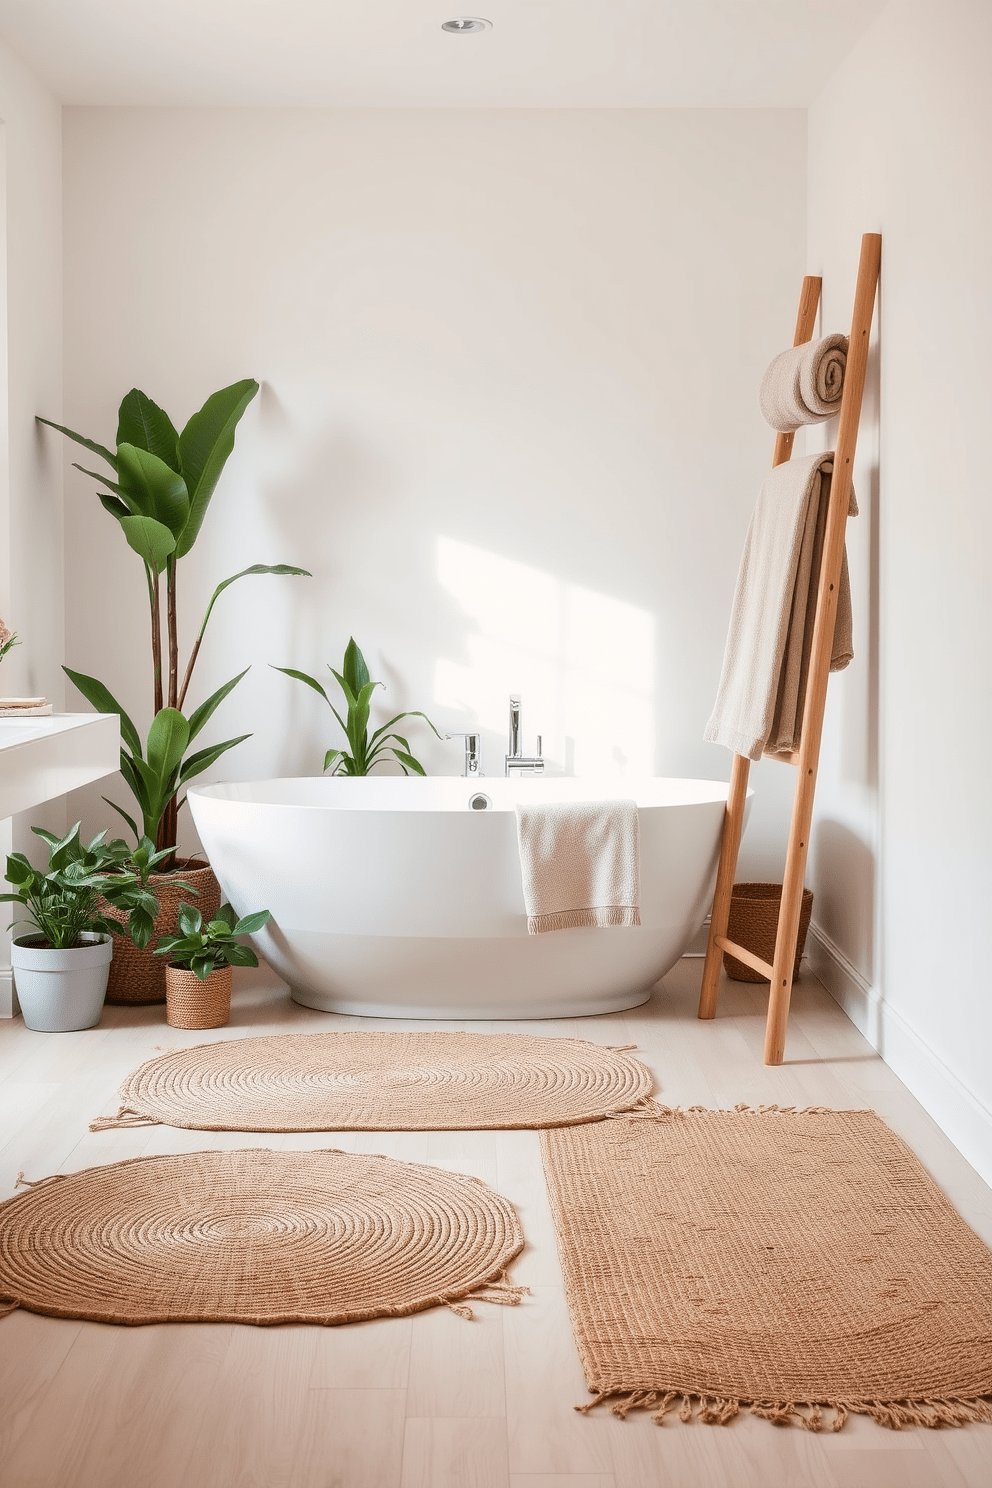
(583, 663)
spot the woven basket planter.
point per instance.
(138, 976)
(191, 1003)
(754, 924)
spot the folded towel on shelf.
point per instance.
(803, 385)
(759, 705)
(579, 864)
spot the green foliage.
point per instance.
(203, 948)
(62, 901)
(162, 484)
(8, 640)
(366, 750)
(155, 772)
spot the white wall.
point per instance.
(508, 417)
(31, 576)
(900, 142)
(31, 568)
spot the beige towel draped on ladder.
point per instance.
(762, 690)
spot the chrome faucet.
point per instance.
(473, 753)
(515, 762)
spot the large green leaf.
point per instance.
(156, 490)
(197, 763)
(409, 761)
(90, 444)
(142, 423)
(150, 540)
(167, 741)
(256, 568)
(252, 923)
(355, 670)
(205, 710)
(113, 506)
(104, 702)
(98, 477)
(204, 447)
(303, 677)
(121, 812)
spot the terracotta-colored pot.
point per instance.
(138, 976)
(191, 1003)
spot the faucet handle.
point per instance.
(473, 751)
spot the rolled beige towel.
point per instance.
(804, 384)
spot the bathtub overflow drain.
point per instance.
(480, 802)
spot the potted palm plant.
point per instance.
(366, 750)
(62, 963)
(199, 971)
(158, 489)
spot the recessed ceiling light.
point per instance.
(466, 25)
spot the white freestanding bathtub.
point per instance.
(395, 897)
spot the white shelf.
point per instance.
(41, 758)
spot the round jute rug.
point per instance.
(255, 1237)
(382, 1082)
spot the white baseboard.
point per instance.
(960, 1115)
(9, 1006)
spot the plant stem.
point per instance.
(166, 834)
(156, 641)
(173, 637)
(189, 670)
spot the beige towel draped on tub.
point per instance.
(579, 864)
(759, 705)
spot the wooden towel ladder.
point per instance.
(806, 757)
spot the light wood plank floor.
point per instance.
(430, 1401)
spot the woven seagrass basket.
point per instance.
(754, 924)
(191, 1003)
(138, 976)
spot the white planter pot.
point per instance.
(60, 991)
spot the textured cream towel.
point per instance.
(803, 385)
(759, 705)
(579, 864)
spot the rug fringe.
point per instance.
(811, 1415)
(23, 1182)
(500, 1290)
(125, 1117)
(647, 1106)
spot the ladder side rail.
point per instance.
(733, 821)
(823, 636)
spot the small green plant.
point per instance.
(366, 751)
(62, 902)
(8, 640)
(201, 948)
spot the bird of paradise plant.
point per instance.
(161, 484)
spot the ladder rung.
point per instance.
(748, 957)
(785, 759)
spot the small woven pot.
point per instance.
(138, 976)
(190, 1003)
(753, 924)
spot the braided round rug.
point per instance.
(255, 1237)
(381, 1082)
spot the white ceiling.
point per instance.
(392, 53)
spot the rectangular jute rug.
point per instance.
(799, 1262)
